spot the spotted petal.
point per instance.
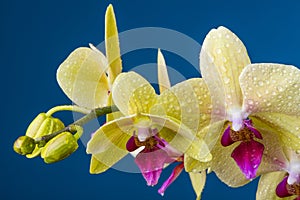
(266, 189)
(272, 88)
(82, 78)
(225, 167)
(286, 127)
(133, 94)
(222, 58)
(108, 144)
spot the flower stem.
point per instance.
(41, 141)
(68, 108)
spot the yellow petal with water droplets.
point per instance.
(271, 88)
(222, 58)
(225, 167)
(267, 184)
(192, 165)
(181, 137)
(112, 45)
(133, 94)
(108, 159)
(115, 114)
(113, 134)
(82, 78)
(286, 127)
(273, 156)
(198, 182)
(188, 102)
(163, 77)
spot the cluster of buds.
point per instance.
(45, 137)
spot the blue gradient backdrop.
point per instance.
(36, 36)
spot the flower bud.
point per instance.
(59, 147)
(24, 145)
(40, 126)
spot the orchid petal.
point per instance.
(175, 173)
(222, 58)
(151, 163)
(198, 181)
(163, 77)
(112, 45)
(256, 133)
(133, 94)
(195, 166)
(188, 102)
(114, 133)
(225, 167)
(97, 167)
(287, 127)
(110, 139)
(267, 185)
(82, 78)
(272, 88)
(273, 158)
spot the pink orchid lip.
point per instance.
(248, 154)
(153, 157)
(248, 157)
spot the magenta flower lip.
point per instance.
(153, 157)
(248, 154)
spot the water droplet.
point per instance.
(250, 101)
(280, 89)
(226, 80)
(260, 83)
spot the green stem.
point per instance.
(68, 108)
(41, 141)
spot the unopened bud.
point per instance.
(42, 125)
(24, 145)
(59, 147)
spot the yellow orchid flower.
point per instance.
(197, 179)
(281, 173)
(82, 76)
(246, 98)
(147, 123)
(87, 74)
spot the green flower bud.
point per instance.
(24, 145)
(59, 147)
(40, 126)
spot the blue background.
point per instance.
(36, 36)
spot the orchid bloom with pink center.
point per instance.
(281, 174)
(243, 94)
(145, 122)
